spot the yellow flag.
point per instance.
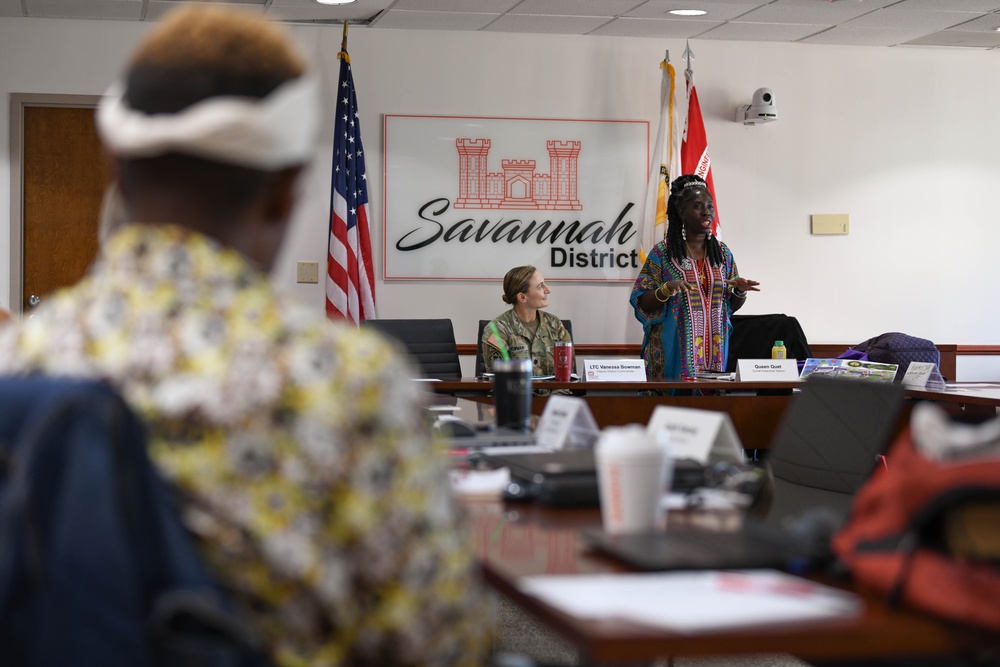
(664, 167)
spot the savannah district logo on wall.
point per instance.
(469, 198)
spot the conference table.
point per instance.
(755, 408)
(516, 540)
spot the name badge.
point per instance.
(767, 370)
(614, 370)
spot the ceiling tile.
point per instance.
(10, 7)
(761, 32)
(362, 11)
(852, 36)
(230, 3)
(988, 23)
(950, 5)
(606, 8)
(157, 9)
(317, 12)
(813, 13)
(982, 40)
(703, 4)
(556, 25)
(893, 17)
(85, 9)
(371, 7)
(717, 11)
(855, 22)
(633, 27)
(398, 18)
(475, 6)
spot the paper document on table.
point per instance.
(694, 602)
(479, 483)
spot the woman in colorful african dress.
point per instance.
(688, 289)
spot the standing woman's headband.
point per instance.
(268, 134)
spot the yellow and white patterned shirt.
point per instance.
(298, 446)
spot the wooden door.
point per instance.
(64, 177)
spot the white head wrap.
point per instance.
(272, 133)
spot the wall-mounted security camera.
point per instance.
(760, 110)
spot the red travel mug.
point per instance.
(563, 354)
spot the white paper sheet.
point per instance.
(481, 483)
(693, 602)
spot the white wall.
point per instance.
(902, 139)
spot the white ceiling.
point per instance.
(947, 23)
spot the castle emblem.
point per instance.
(518, 186)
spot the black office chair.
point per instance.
(753, 336)
(480, 360)
(92, 549)
(828, 444)
(431, 344)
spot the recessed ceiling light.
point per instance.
(336, 2)
(687, 12)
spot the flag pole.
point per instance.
(688, 55)
(343, 47)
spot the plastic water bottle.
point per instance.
(779, 351)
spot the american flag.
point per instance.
(350, 283)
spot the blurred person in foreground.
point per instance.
(297, 446)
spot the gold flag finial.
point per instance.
(343, 44)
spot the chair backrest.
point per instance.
(480, 359)
(431, 344)
(828, 443)
(92, 550)
(753, 336)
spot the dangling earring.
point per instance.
(708, 236)
(684, 234)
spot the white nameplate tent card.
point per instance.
(704, 436)
(923, 374)
(767, 370)
(614, 370)
(566, 423)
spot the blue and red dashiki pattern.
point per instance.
(684, 336)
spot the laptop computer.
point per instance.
(566, 422)
(827, 445)
(568, 477)
(468, 426)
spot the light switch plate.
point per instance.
(831, 223)
(307, 272)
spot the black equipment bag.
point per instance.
(899, 348)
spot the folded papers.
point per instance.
(695, 602)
